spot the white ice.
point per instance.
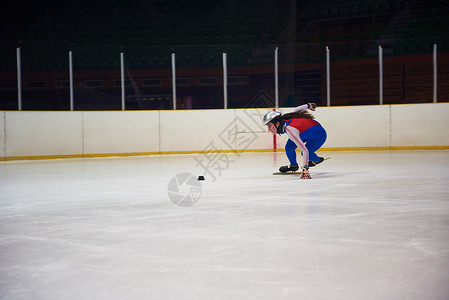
(368, 225)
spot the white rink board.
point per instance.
(121, 132)
(420, 125)
(2, 134)
(357, 126)
(43, 133)
(252, 134)
(108, 132)
(196, 130)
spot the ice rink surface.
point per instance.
(368, 225)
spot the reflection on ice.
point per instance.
(368, 225)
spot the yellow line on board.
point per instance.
(385, 148)
(97, 155)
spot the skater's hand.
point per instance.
(305, 174)
(312, 106)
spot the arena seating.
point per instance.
(148, 31)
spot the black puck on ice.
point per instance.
(200, 177)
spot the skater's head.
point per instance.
(274, 121)
(275, 128)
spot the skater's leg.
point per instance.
(290, 147)
(315, 137)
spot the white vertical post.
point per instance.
(19, 80)
(71, 80)
(381, 83)
(173, 80)
(434, 73)
(328, 82)
(225, 82)
(276, 78)
(122, 78)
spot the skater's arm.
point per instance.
(293, 134)
(306, 106)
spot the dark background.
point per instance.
(198, 32)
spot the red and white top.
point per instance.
(294, 127)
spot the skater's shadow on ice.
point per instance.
(334, 174)
(324, 175)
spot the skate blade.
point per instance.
(292, 173)
(286, 173)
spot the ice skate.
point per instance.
(285, 169)
(313, 164)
